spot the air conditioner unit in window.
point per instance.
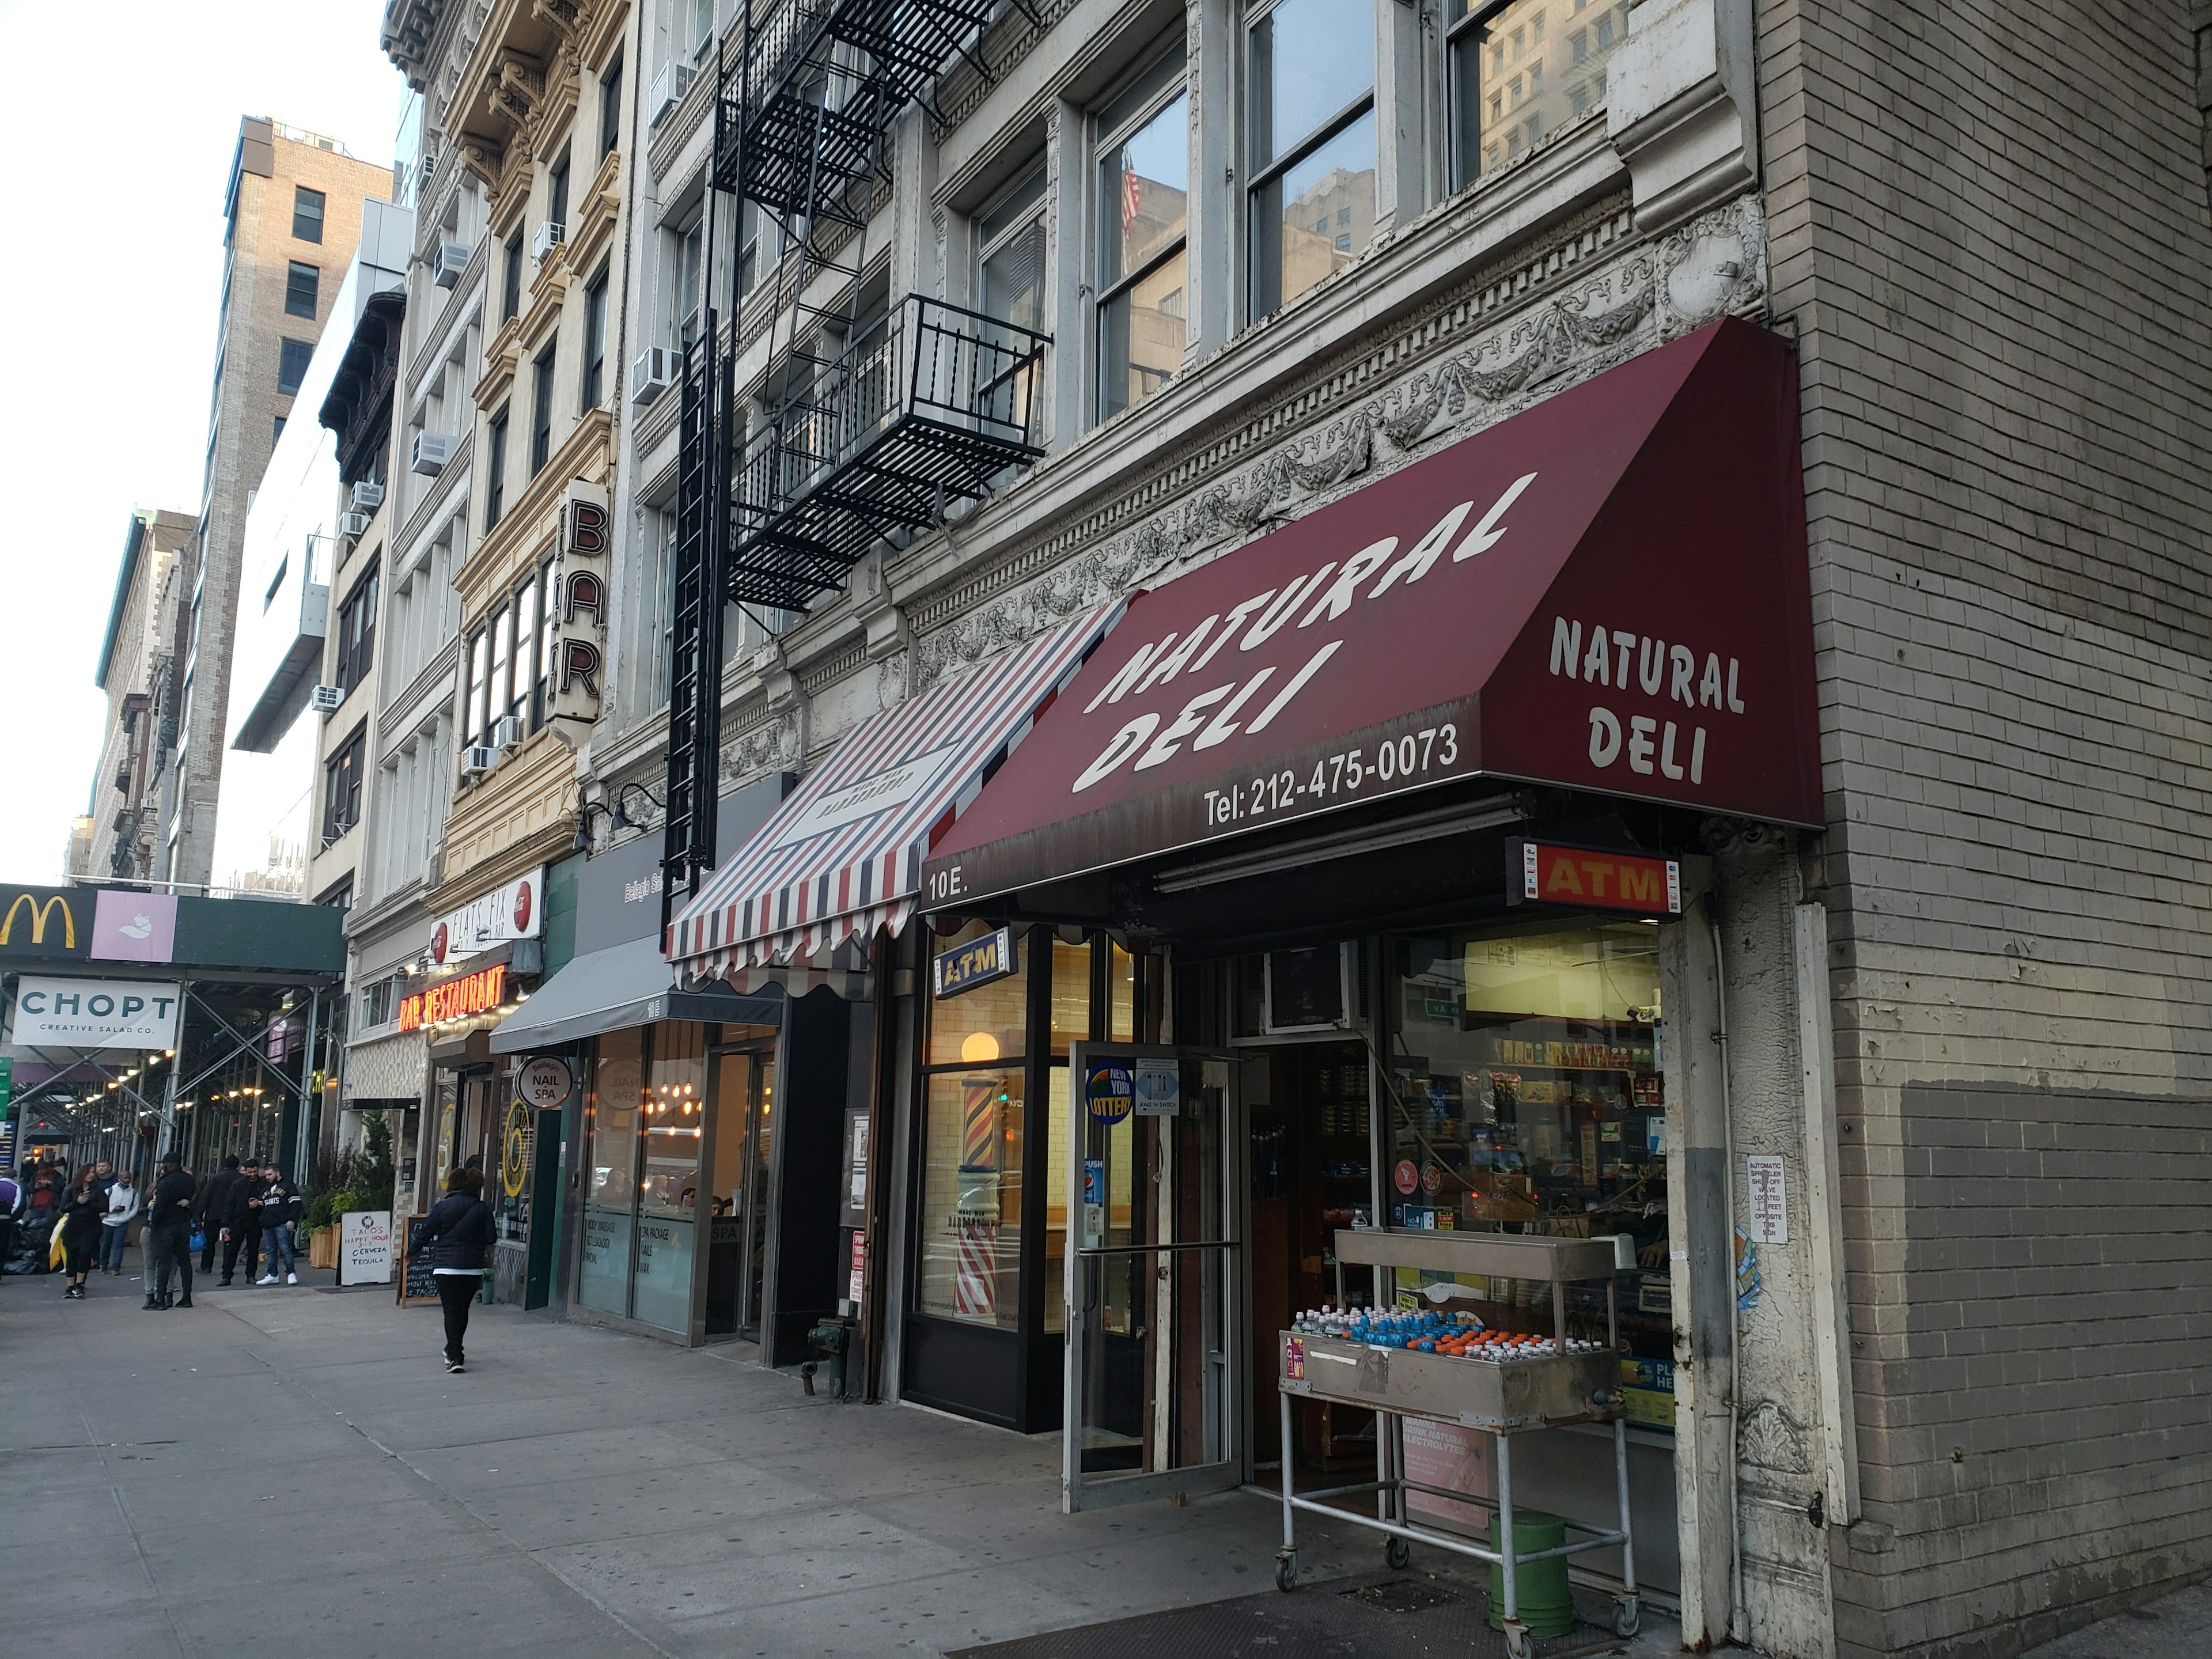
(447, 265)
(505, 733)
(549, 237)
(367, 496)
(477, 761)
(354, 524)
(430, 451)
(326, 699)
(652, 374)
(668, 89)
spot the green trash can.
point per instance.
(1547, 1605)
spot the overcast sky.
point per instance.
(122, 120)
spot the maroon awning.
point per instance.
(1606, 592)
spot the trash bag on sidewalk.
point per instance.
(34, 1238)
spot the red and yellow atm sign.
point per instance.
(472, 993)
(1591, 880)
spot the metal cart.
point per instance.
(1501, 1398)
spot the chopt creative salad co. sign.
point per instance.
(457, 999)
(1607, 591)
(96, 1013)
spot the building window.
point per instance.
(1010, 277)
(496, 470)
(595, 345)
(511, 291)
(523, 703)
(472, 717)
(276, 437)
(306, 214)
(541, 411)
(292, 366)
(683, 256)
(703, 26)
(747, 247)
(342, 786)
(500, 691)
(356, 639)
(557, 181)
(301, 283)
(1310, 147)
(1494, 119)
(610, 107)
(1010, 268)
(1144, 222)
(548, 592)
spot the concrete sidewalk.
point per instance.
(291, 1471)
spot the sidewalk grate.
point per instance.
(1393, 1617)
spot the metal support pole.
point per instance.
(301, 1131)
(1507, 1539)
(1290, 1535)
(1627, 1528)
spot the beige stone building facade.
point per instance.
(292, 216)
(141, 669)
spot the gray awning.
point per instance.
(622, 986)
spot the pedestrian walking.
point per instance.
(280, 1208)
(241, 1221)
(208, 1206)
(81, 1222)
(169, 1233)
(123, 1205)
(457, 1234)
(11, 1208)
(44, 1195)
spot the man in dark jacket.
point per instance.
(241, 1221)
(169, 1228)
(208, 1207)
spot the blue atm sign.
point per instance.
(978, 962)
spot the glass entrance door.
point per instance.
(742, 1137)
(1154, 1282)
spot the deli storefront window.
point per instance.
(992, 1218)
(1526, 1096)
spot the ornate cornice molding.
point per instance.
(1550, 323)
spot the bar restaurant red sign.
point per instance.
(1607, 592)
(1588, 878)
(472, 993)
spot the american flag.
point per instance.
(1132, 193)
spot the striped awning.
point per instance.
(842, 857)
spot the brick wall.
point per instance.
(1991, 226)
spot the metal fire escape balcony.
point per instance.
(804, 113)
(873, 426)
(923, 408)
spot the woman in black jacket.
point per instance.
(456, 1236)
(81, 1223)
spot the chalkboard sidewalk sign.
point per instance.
(415, 1284)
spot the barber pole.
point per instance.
(976, 1283)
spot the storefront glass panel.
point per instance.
(611, 1115)
(971, 1236)
(1526, 1096)
(668, 1188)
(988, 1023)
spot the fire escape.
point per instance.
(874, 417)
